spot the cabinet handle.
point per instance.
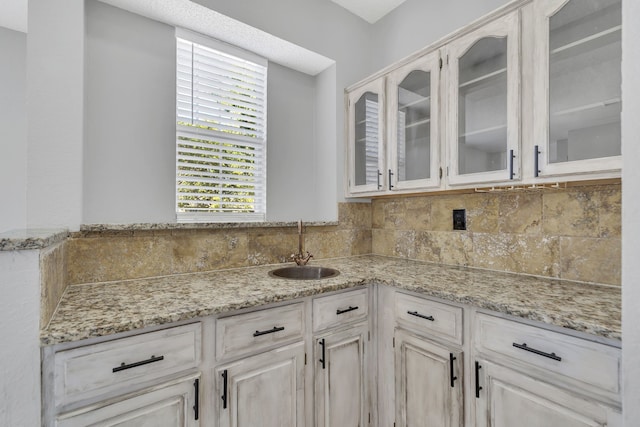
(524, 346)
(124, 366)
(478, 388)
(270, 331)
(451, 359)
(338, 311)
(379, 175)
(536, 165)
(196, 407)
(511, 157)
(224, 389)
(321, 342)
(390, 175)
(422, 316)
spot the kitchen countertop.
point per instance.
(99, 309)
(28, 239)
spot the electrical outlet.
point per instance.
(459, 219)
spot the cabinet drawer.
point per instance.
(334, 310)
(121, 365)
(435, 318)
(258, 330)
(591, 363)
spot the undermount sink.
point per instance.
(304, 272)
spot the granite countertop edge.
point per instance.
(89, 228)
(29, 239)
(100, 309)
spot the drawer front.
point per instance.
(588, 362)
(334, 310)
(123, 364)
(258, 330)
(435, 318)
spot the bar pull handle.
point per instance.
(478, 387)
(379, 175)
(224, 389)
(124, 366)
(422, 316)
(390, 175)
(536, 160)
(346, 310)
(525, 347)
(196, 407)
(269, 331)
(511, 157)
(453, 378)
(322, 344)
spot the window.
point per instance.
(220, 132)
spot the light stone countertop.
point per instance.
(93, 310)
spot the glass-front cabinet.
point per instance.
(577, 86)
(413, 124)
(483, 96)
(366, 138)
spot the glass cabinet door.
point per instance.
(366, 108)
(414, 124)
(484, 104)
(580, 65)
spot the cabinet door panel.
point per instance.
(341, 381)
(483, 130)
(166, 406)
(265, 390)
(414, 125)
(578, 86)
(366, 138)
(424, 392)
(510, 398)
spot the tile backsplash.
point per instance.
(571, 233)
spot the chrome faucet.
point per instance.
(300, 258)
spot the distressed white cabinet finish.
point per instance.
(429, 383)
(483, 103)
(341, 378)
(512, 398)
(263, 390)
(577, 86)
(413, 108)
(365, 139)
(173, 404)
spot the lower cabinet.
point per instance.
(341, 378)
(429, 383)
(265, 390)
(174, 404)
(506, 397)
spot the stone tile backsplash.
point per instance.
(98, 256)
(571, 233)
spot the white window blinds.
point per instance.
(220, 133)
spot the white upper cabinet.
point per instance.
(366, 138)
(483, 96)
(577, 86)
(413, 124)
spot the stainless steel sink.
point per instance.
(304, 272)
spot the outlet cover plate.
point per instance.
(459, 219)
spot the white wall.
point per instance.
(13, 130)
(129, 150)
(630, 212)
(418, 23)
(55, 76)
(20, 330)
